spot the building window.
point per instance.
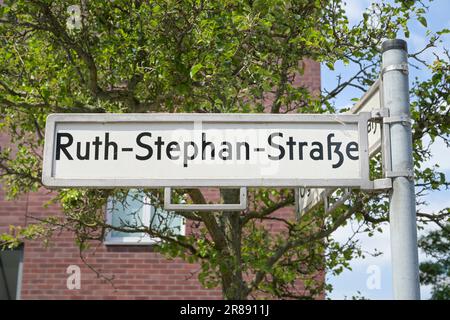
(135, 210)
(11, 262)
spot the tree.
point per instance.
(436, 272)
(206, 56)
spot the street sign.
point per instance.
(310, 198)
(195, 150)
(369, 102)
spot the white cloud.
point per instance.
(355, 9)
(441, 154)
(416, 41)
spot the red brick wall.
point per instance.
(11, 212)
(139, 273)
(311, 76)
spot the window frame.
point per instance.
(147, 211)
(14, 263)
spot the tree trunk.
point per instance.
(233, 284)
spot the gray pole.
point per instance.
(403, 228)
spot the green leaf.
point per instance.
(195, 68)
(423, 21)
(330, 65)
(443, 31)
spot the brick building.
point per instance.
(36, 272)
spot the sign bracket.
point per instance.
(403, 67)
(394, 174)
(242, 205)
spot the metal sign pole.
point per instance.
(405, 267)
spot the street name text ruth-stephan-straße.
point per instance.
(251, 148)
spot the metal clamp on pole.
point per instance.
(382, 184)
(404, 118)
(403, 67)
(383, 115)
(395, 174)
(242, 205)
(379, 114)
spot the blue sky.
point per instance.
(357, 282)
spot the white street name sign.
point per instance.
(194, 150)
